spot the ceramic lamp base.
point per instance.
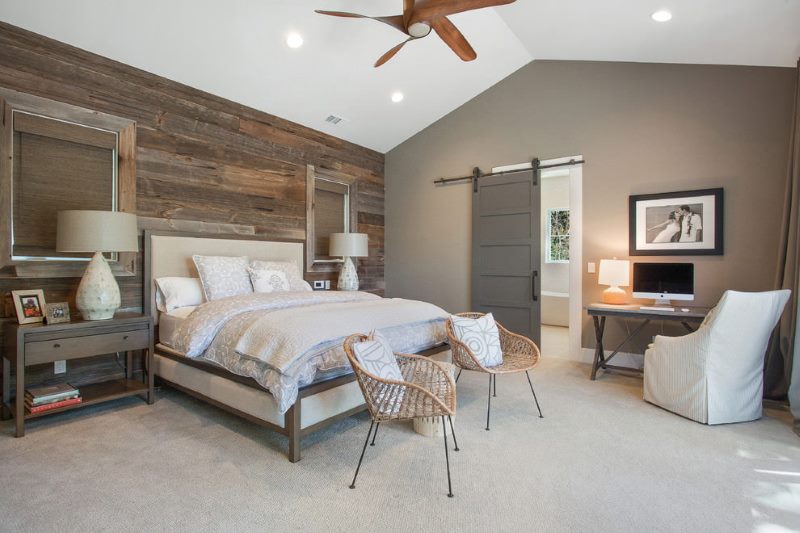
(348, 277)
(98, 293)
(615, 296)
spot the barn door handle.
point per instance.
(534, 276)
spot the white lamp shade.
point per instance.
(614, 272)
(96, 231)
(349, 245)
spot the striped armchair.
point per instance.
(716, 374)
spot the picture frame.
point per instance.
(57, 313)
(677, 223)
(30, 305)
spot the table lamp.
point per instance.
(615, 273)
(348, 245)
(97, 231)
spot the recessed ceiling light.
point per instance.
(661, 15)
(294, 40)
(397, 97)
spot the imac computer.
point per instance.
(663, 282)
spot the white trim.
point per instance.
(626, 359)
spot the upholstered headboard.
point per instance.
(170, 254)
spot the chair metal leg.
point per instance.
(460, 370)
(489, 408)
(534, 394)
(453, 431)
(494, 378)
(447, 459)
(353, 484)
(375, 434)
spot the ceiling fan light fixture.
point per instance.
(294, 40)
(662, 15)
(419, 29)
(397, 97)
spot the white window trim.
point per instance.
(548, 225)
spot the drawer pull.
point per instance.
(125, 338)
(56, 345)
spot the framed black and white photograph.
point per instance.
(677, 223)
(57, 313)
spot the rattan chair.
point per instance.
(520, 354)
(427, 390)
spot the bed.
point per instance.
(275, 359)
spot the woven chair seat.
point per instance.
(513, 362)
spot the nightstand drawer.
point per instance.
(70, 348)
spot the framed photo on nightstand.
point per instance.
(30, 306)
(58, 313)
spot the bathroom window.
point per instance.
(557, 248)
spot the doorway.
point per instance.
(560, 251)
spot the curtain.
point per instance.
(781, 376)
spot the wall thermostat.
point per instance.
(319, 284)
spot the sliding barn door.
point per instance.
(506, 250)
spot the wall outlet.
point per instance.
(59, 367)
(327, 284)
(319, 284)
(590, 268)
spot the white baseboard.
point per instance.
(626, 359)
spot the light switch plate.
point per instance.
(59, 367)
(327, 284)
(591, 267)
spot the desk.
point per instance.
(599, 313)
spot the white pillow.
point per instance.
(269, 280)
(223, 276)
(481, 336)
(296, 282)
(377, 358)
(175, 292)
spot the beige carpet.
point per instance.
(600, 460)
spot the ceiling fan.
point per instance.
(421, 16)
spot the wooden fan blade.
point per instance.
(427, 10)
(408, 8)
(453, 38)
(390, 54)
(395, 21)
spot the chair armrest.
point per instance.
(688, 351)
(518, 344)
(430, 378)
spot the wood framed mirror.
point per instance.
(331, 207)
(56, 156)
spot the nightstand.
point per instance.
(34, 344)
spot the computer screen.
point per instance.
(663, 278)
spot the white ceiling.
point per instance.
(236, 49)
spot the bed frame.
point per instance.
(318, 405)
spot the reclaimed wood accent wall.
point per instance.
(202, 162)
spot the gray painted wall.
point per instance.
(643, 128)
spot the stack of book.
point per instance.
(40, 399)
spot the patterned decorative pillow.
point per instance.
(268, 280)
(296, 282)
(223, 276)
(481, 336)
(377, 358)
